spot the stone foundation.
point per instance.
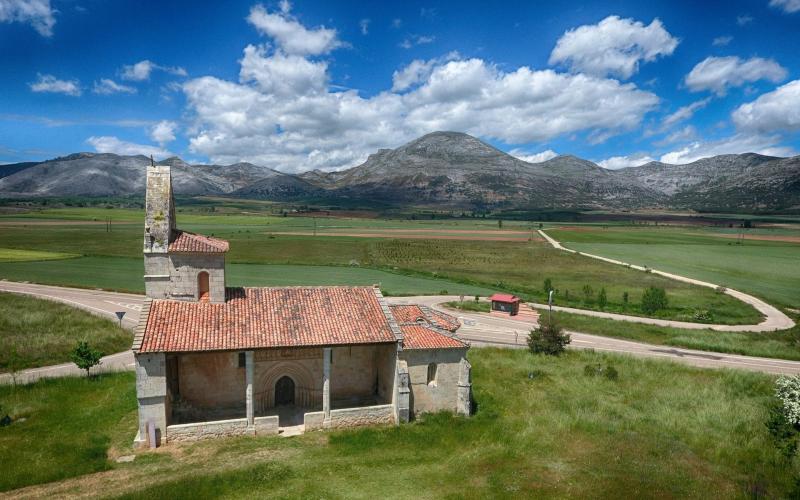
(367, 415)
(222, 428)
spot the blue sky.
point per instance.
(307, 84)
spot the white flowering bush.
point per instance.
(787, 389)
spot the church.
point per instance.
(214, 361)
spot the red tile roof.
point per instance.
(504, 297)
(186, 242)
(423, 337)
(253, 318)
(414, 313)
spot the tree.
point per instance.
(548, 285)
(653, 300)
(500, 223)
(787, 390)
(548, 338)
(85, 356)
(588, 292)
(602, 299)
(625, 298)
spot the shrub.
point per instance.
(85, 356)
(787, 390)
(602, 299)
(598, 370)
(588, 293)
(703, 316)
(653, 300)
(784, 434)
(625, 297)
(548, 338)
(548, 285)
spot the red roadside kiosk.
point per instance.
(505, 302)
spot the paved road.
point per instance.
(774, 318)
(479, 329)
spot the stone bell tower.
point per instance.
(159, 229)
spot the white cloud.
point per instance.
(617, 162)
(107, 86)
(163, 132)
(111, 144)
(736, 144)
(533, 157)
(744, 19)
(291, 36)
(684, 113)
(51, 84)
(722, 41)
(364, 26)
(776, 110)
(141, 70)
(37, 13)
(788, 6)
(417, 72)
(414, 40)
(282, 115)
(719, 73)
(614, 46)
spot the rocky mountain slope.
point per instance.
(444, 170)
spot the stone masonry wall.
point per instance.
(443, 395)
(367, 415)
(184, 269)
(212, 379)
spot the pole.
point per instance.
(550, 304)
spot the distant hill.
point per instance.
(447, 170)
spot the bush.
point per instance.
(602, 299)
(548, 338)
(588, 293)
(85, 356)
(598, 370)
(653, 300)
(787, 390)
(548, 285)
(625, 298)
(703, 316)
(784, 434)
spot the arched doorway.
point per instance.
(284, 391)
(202, 286)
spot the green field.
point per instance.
(543, 428)
(14, 255)
(36, 332)
(769, 269)
(402, 266)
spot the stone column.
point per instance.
(248, 367)
(464, 402)
(326, 384)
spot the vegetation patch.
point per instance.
(16, 255)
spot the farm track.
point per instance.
(774, 318)
(481, 329)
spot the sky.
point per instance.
(309, 85)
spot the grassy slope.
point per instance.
(766, 268)
(44, 332)
(661, 430)
(517, 267)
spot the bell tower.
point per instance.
(159, 229)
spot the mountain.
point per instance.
(447, 170)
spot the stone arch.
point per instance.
(308, 390)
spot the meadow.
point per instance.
(35, 332)
(768, 268)
(430, 262)
(543, 428)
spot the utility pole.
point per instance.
(550, 304)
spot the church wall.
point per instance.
(353, 373)
(212, 379)
(184, 268)
(443, 395)
(386, 361)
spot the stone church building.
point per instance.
(217, 361)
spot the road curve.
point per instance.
(479, 329)
(774, 318)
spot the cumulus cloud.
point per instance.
(686, 133)
(281, 114)
(617, 162)
(37, 13)
(684, 113)
(614, 46)
(111, 144)
(533, 157)
(106, 86)
(788, 6)
(776, 110)
(291, 36)
(51, 84)
(736, 144)
(414, 40)
(717, 74)
(142, 70)
(163, 132)
(417, 72)
(722, 41)
(744, 19)
(363, 25)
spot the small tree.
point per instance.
(500, 223)
(653, 300)
(787, 390)
(625, 299)
(602, 299)
(548, 285)
(548, 338)
(85, 356)
(588, 293)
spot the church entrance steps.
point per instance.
(292, 430)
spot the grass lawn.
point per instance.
(517, 267)
(43, 332)
(542, 429)
(784, 344)
(125, 274)
(765, 268)
(15, 255)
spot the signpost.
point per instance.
(120, 315)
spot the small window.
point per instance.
(242, 361)
(432, 372)
(202, 286)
